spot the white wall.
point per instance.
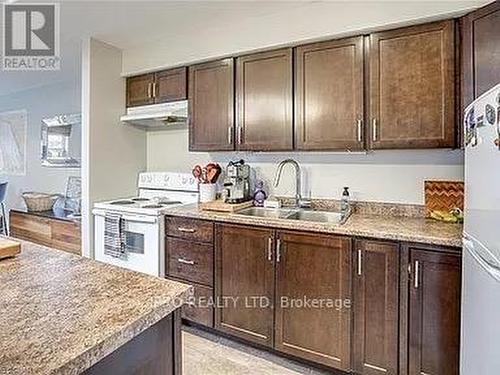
(293, 22)
(40, 102)
(112, 154)
(388, 176)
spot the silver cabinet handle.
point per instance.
(230, 135)
(374, 129)
(359, 262)
(417, 266)
(150, 86)
(270, 249)
(185, 261)
(278, 250)
(240, 134)
(186, 230)
(360, 130)
(154, 89)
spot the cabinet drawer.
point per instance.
(190, 261)
(200, 310)
(190, 229)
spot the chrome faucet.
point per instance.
(299, 202)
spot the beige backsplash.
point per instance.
(365, 208)
(382, 176)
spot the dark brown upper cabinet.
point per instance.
(412, 87)
(480, 52)
(165, 86)
(316, 267)
(376, 307)
(264, 101)
(434, 312)
(139, 90)
(329, 104)
(211, 106)
(171, 85)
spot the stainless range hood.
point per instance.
(157, 116)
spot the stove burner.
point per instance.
(138, 199)
(123, 202)
(152, 206)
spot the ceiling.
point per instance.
(136, 24)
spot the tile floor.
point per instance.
(208, 354)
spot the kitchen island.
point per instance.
(64, 314)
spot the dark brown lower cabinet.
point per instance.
(380, 308)
(434, 312)
(156, 351)
(189, 259)
(313, 296)
(245, 282)
(376, 307)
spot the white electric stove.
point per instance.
(144, 221)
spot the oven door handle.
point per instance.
(140, 219)
(131, 218)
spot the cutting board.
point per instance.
(221, 206)
(9, 248)
(443, 195)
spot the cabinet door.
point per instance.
(412, 87)
(329, 95)
(171, 85)
(211, 106)
(313, 291)
(264, 101)
(245, 282)
(434, 313)
(140, 90)
(376, 306)
(480, 52)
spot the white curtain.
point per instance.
(11, 152)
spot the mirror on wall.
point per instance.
(60, 141)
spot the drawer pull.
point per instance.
(186, 230)
(185, 261)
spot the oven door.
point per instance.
(143, 241)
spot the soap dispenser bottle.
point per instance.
(345, 203)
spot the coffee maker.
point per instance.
(237, 182)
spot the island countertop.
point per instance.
(61, 313)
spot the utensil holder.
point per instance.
(208, 192)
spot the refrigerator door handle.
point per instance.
(490, 267)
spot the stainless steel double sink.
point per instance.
(295, 214)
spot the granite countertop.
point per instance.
(61, 313)
(398, 228)
(55, 213)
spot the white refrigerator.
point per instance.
(480, 342)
